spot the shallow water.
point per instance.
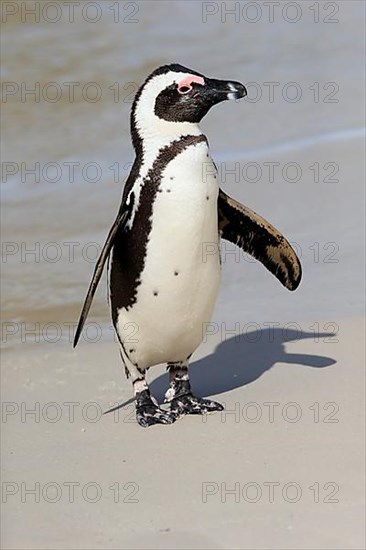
(63, 217)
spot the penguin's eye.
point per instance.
(184, 89)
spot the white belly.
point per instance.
(181, 276)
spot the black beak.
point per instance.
(220, 90)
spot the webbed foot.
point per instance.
(149, 413)
(190, 404)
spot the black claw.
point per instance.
(148, 413)
(189, 404)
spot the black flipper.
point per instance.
(118, 225)
(253, 234)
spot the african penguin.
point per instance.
(162, 285)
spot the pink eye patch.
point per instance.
(185, 85)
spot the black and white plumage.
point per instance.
(161, 282)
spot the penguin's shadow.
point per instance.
(242, 359)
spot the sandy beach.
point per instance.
(283, 466)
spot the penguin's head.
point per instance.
(173, 99)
